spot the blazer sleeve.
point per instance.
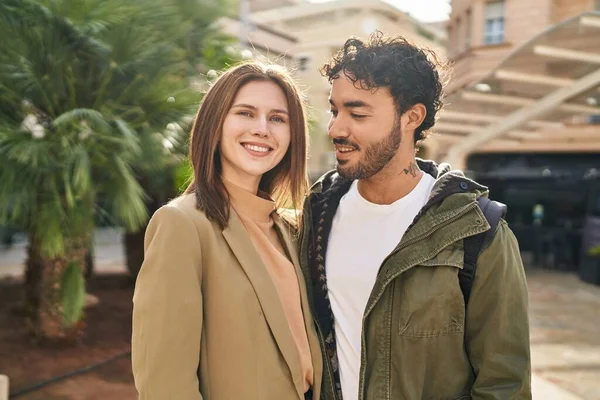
(497, 334)
(167, 310)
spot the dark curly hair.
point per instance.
(413, 74)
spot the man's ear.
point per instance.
(414, 117)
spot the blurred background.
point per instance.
(96, 103)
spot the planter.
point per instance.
(589, 270)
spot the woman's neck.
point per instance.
(244, 181)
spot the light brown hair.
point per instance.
(287, 183)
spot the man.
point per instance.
(384, 241)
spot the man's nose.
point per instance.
(336, 128)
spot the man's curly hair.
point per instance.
(413, 74)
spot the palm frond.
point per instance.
(125, 196)
(92, 117)
(130, 137)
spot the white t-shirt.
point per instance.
(363, 234)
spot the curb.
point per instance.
(3, 387)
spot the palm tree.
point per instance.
(87, 89)
(204, 49)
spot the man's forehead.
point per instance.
(344, 89)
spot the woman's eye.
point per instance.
(358, 116)
(278, 119)
(244, 113)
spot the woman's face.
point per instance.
(256, 133)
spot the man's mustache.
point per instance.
(344, 142)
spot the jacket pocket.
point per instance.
(431, 302)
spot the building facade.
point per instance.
(481, 33)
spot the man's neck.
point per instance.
(392, 183)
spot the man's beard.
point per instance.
(375, 157)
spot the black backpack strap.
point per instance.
(493, 212)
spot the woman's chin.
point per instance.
(257, 170)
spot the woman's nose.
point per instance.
(260, 129)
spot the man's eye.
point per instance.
(358, 116)
(333, 112)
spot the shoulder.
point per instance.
(182, 211)
(502, 246)
(503, 233)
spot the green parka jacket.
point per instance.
(419, 339)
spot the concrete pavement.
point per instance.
(565, 333)
(108, 249)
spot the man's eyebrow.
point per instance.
(354, 104)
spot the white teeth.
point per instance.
(259, 149)
(344, 149)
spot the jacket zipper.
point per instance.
(396, 250)
(303, 250)
(328, 363)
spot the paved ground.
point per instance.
(109, 253)
(565, 333)
(565, 323)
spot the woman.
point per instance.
(220, 307)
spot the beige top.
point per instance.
(255, 213)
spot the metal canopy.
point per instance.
(532, 100)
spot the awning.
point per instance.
(533, 101)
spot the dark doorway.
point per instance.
(548, 197)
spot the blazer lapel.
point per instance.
(313, 340)
(240, 243)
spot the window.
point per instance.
(303, 63)
(459, 35)
(494, 23)
(451, 47)
(468, 23)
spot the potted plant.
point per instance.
(590, 266)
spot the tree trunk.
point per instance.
(43, 288)
(134, 251)
(89, 261)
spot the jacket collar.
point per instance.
(240, 243)
(452, 194)
(447, 182)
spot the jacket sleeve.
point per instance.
(167, 310)
(497, 328)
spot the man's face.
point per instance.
(364, 127)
